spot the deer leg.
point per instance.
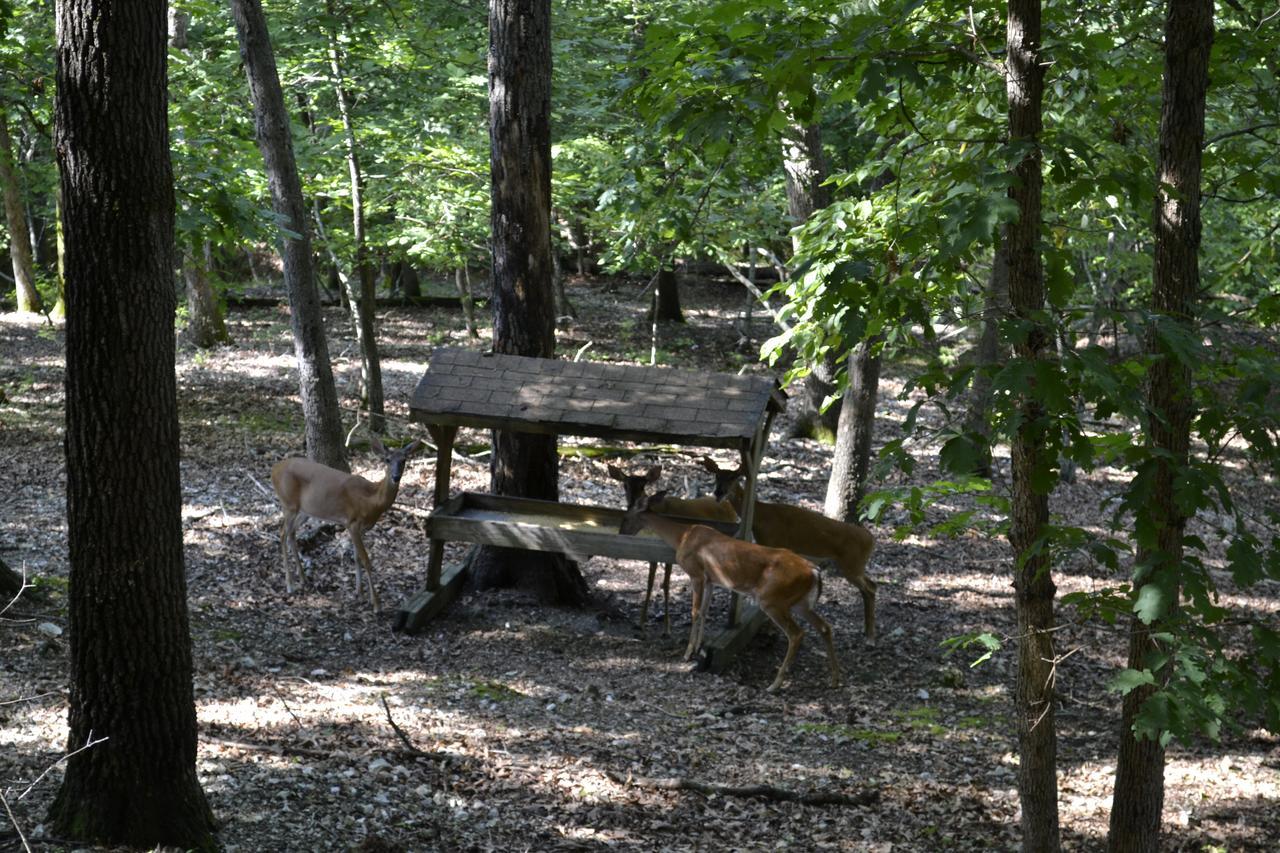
(824, 630)
(857, 575)
(666, 600)
(287, 530)
(699, 611)
(794, 633)
(648, 594)
(362, 559)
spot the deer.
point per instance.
(781, 581)
(807, 532)
(307, 488)
(704, 508)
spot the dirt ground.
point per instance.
(511, 726)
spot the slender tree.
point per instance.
(806, 171)
(130, 643)
(523, 302)
(16, 221)
(1188, 37)
(315, 376)
(1033, 582)
(851, 460)
(362, 285)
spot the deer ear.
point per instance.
(616, 473)
(413, 448)
(652, 475)
(710, 464)
(377, 445)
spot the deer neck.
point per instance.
(384, 495)
(737, 496)
(671, 532)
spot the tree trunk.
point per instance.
(806, 170)
(666, 302)
(523, 305)
(410, 284)
(1033, 582)
(206, 327)
(462, 279)
(363, 300)
(10, 583)
(24, 274)
(325, 439)
(988, 356)
(851, 461)
(564, 308)
(1139, 793)
(130, 643)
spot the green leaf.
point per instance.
(1129, 680)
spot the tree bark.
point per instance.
(1189, 29)
(364, 297)
(851, 462)
(988, 356)
(206, 327)
(325, 439)
(130, 643)
(806, 170)
(666, 298)
(24, 274)
(1033, 581)
(523, 305)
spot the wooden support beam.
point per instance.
(717, 653)
(415, 613)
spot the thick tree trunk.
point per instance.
(15, 212)
(206, 327)
(851, 461)
(325, 439)
(130, 643)
(988, 356)
(410, 284)
(523, 305)
(666, 298)
(806, 170)
(1033, 581)
(1139, 793)
(362, 286)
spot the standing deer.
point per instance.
(307, 488)
(806, 532)
(780, 581)
(704, 508)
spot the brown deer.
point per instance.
(704, 508)
(806, 532)
(781, 582)
(307, 488)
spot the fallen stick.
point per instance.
(769, 792)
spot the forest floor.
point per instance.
(512, 726)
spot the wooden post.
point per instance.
(443, 436)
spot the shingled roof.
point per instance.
(646, 404)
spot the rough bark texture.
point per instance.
(1033, 582)
(851, 461)
(523, 305)
(806, 169)
(130, 645)
(362, 285)
(325, 439)
(1139, 793)
(24, 274)
(205, 324)
(667, 298)
(988, 356)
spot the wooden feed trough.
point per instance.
(466, 388)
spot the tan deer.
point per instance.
(781, 582)
(307, 488)
(705, 508)
(806, 532)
